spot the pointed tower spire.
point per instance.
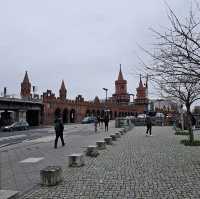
(140, 84)
(120, 76)
(121, 95)
(147, 78)
(26, 79)
(26, 87)
(63, 85)
(63, 91)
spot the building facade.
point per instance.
(75, 110)
(28, 108)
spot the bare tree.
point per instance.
(178, 47)
(183, 89)
(176, 58)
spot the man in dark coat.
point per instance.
(149, 125)
(59, 127)
(98, 119)
(106, 121)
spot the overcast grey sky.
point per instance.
(80, 41)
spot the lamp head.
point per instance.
(105, 89)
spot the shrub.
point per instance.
(188, 143)
(181, 132)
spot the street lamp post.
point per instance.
(105, 89)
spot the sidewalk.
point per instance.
(24, 176)
(136, 166)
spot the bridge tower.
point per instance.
(63, 91)
(141, 101)
(121, 95)
(26, 87)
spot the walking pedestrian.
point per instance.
(59, 128)
(95, 124)
(149, 125)
(102, 121)
(98, 120)
(106, 121)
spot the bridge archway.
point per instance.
(72, 116)
(88, 113)
(32, 117)
(93, 113)
(65, 116)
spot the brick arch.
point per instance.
(88, 113)
(65, 116)
(72, 116)
(93, 112)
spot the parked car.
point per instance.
(160, 115)
(142, 116)
(17, 126)
(88, 120)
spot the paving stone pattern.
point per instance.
(135, 166)
(22, 177)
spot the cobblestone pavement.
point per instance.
(136, 166)
(22, 177)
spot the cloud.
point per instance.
(82, 42)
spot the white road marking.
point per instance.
(42, 139)
(12, 137)
(32, 160)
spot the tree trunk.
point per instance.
(189, 119)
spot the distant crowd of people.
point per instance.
(99, 121)
(59, 127)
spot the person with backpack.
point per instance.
(59, 128)
(95, 124)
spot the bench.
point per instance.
(101, 145)
(108, 140)
(76, 160)
(51, 175)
